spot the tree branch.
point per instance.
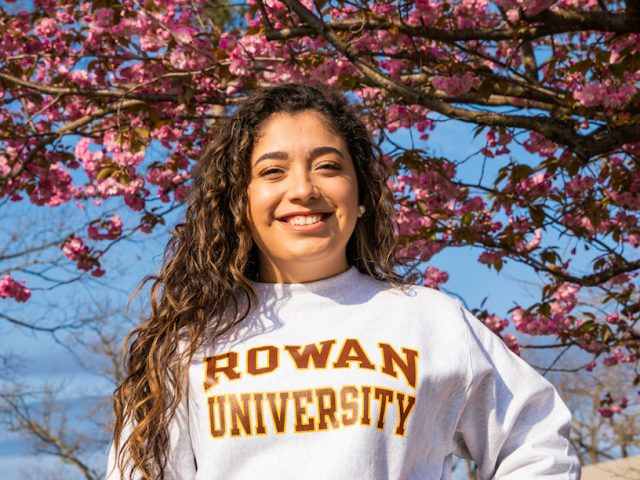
(43, 432)
(70, 127)
(102, 93)
(551, 23)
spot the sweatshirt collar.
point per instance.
(325, 286)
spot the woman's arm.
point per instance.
(513, 424)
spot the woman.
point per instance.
(282, 344)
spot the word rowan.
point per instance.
(265, 359)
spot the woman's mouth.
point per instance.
(305, 220)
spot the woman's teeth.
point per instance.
(304, 219)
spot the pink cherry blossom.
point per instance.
(455, 85)
(434, 277)
(112, 228)
(75, 249)
(9, 288)
(606, 94)
(53, 186)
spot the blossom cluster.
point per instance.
(86, 258)
(108, 229)
(609, 407)
(9, 288)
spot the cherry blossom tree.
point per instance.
(110, 103)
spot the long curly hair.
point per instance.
(211, 259)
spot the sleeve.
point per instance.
(512, 424)
(181, 463)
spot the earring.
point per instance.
(362, 209)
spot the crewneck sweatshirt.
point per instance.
(349, 378)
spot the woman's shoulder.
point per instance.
(433, 320)
(419, 302)
(416, 295)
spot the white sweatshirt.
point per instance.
(347, 378)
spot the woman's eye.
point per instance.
(330, 166)
(270, 171)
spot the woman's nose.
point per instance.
(302, 185)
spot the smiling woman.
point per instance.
(303, 198)
(282, 343)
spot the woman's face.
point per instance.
(302, 198)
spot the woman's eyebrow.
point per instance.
(315, 153)
(272, 156)
(319, 151)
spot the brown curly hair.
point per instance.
(211, 259)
